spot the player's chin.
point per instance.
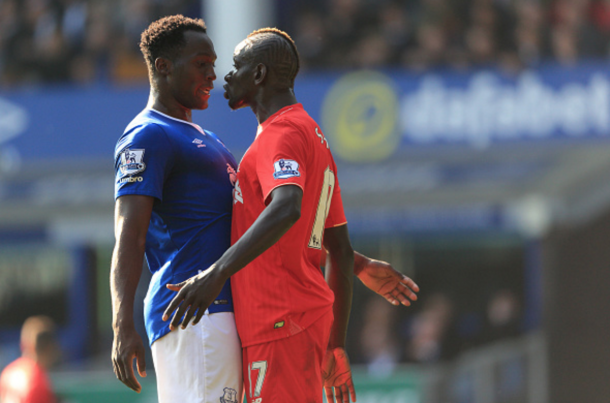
(202, 104)
(236, 104)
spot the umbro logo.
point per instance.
(199, 143)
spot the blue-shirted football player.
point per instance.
(173, 192)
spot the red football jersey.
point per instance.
(25, 381)
(283, 291)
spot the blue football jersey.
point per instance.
(191, 175)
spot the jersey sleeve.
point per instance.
(336, 215)
(143, 159)
(282, 158)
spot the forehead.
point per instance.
(242, 49)
(198, 44)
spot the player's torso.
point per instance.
(199, 183)
(285, 281)
(190, 225)
(195, 180)
(249, 200)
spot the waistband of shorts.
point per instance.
(220, 305)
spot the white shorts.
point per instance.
(200, 364)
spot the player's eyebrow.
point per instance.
(206, 54)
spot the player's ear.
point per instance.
(163, 66)
(260, 73)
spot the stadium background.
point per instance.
(473, 144)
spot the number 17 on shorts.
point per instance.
(256, 372)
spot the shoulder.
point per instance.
(212, 135)
(146, 134)
(287, 129)
(20, 367)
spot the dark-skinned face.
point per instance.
(240, 86)
(192, 73)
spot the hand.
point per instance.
(394, 286)
(195, 295)
(126, 346)
(337, 374)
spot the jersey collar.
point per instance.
(178, 120)
(276, 115)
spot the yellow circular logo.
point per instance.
(360, 114)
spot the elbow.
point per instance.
(348, 253)
(293, 214)
(343, 253)
(285, 215)
(290, 210)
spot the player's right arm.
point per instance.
(336, 371)
(131, 218)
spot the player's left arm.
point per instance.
(196, 294)
(336, 370)
(382, 278)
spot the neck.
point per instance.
(168, 106)
(34, 357)
(268, 103)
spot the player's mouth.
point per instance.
(205, 92)
(226, 88)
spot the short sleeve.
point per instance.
(143, 159)
(282, 157)
(336, 215)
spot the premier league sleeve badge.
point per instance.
(132, 162)
(284, 169)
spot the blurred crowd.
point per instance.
(78, 41)
(435, 329)
(424, 34)
(84, 41)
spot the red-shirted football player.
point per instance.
(25, 380)
(287, 210)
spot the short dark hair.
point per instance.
(165, 37)
(44, 341)
(277, 50)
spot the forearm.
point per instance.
(124, 277)
(360, 262)
(340, 279)
(339, 276)
(268, 228)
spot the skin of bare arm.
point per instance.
(196, 294)
(336, 370)
(380, 277)
(132, 216)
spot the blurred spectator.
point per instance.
(310, 33)
(378, 338)
(25, 379)
(430, 330)
(431, 48)
(371, 52)
(127, 66)
(503, 316)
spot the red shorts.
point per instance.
(288, 370)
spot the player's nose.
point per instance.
(211, 74)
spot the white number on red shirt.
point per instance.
(315, 240)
